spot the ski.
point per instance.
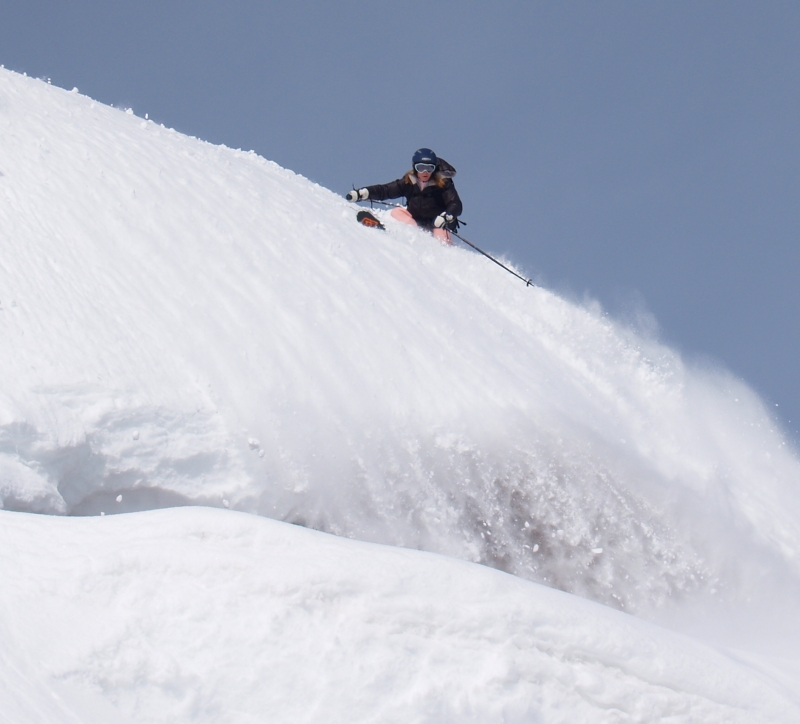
(368, 219)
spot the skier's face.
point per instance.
(424, 170)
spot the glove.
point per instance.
(444, 220)
(357, 195)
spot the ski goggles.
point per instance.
(424, 167)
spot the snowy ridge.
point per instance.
(187, 324)
(206, 616)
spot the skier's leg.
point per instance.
(443, 235)
(404, 216)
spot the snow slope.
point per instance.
(185, 324)
(212, 616)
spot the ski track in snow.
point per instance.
(187, 324)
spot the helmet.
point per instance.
(424, 155)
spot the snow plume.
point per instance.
(187, 324)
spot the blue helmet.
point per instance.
(424, 155)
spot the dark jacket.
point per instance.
(423, 204)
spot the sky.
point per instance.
(644, 155)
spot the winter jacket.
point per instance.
(425, 204)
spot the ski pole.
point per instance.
(385, 203)
(528, 282)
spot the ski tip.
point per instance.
(368, 219)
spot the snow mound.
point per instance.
(186, 324)
(246, 619)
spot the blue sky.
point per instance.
(644, 154)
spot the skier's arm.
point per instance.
(393, 190)
(451, 200)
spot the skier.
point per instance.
(431, 197)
